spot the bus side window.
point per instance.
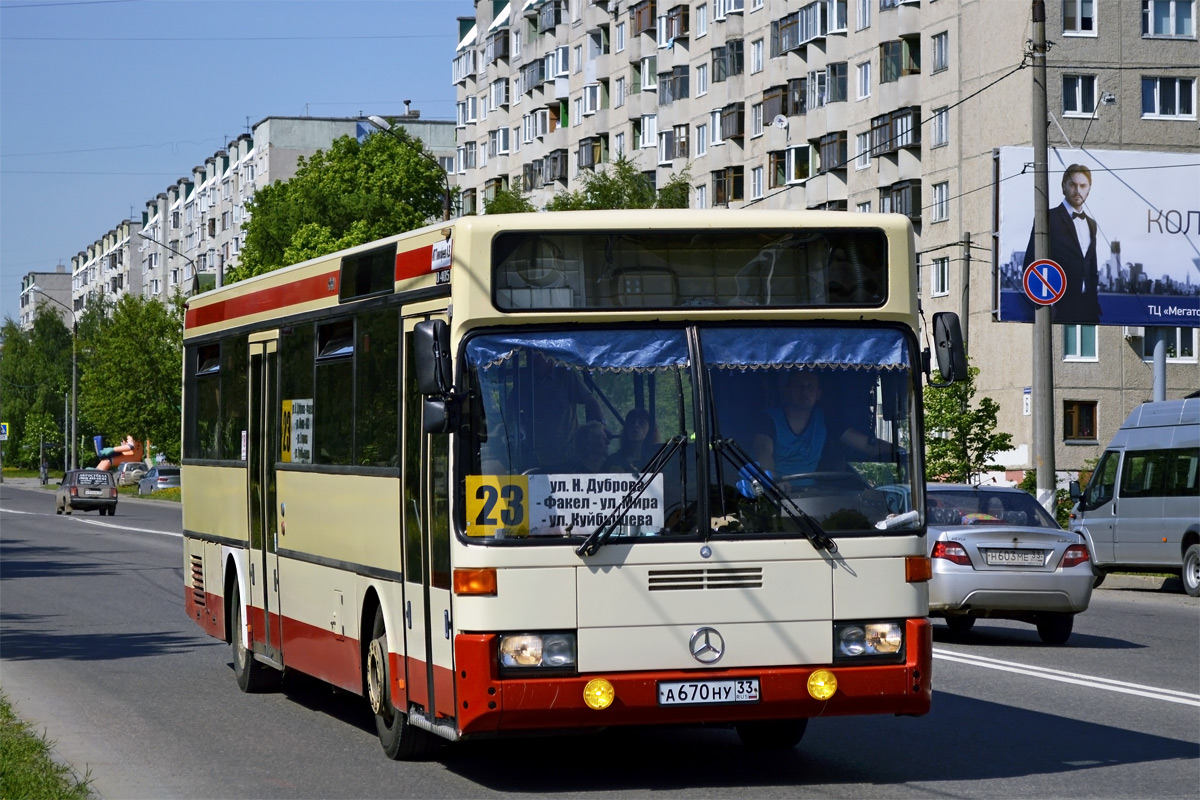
(1104, 481)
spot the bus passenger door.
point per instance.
(427, 612)
(261, 454)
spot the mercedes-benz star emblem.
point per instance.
(707, 646)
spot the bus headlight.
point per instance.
(854, 640)
(555, 651)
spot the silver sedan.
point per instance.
(998, 554)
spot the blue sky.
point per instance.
(105, 103)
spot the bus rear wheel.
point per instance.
(400, 740)
(251, 675)
(772, 734)
(1055, 627)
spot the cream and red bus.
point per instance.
(407, 473)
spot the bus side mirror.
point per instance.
(948, 347)
(431, 340)
(439, 415)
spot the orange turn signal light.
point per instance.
(475, 581)
(917, 569)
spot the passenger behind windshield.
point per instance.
(639, 440)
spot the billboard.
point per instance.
(1125, 230)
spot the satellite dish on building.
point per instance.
(780, 121)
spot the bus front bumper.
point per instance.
(487, 703)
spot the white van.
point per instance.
(1141, 509)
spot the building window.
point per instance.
(940, 277)
(756, 182)
(1175, 18)
(701, 140)
(862, 151)
(1180, 343)
(901, 128)
(733, 121)
(941, 126)
(728, 60)
(1079, 420)
(864, 80)
(832, 150)
(863, 208)
(863, 18)
(728, 185)
(756, 119)
(619, 143)
(941, 202)
(619, 35)
(817, 95)
(756, 56)
(1079, 95)
(1079, 342)
(836, 82)
(618, 92)
(899, 58)
(1078, 18)
(941, 51)
(701, 20)
(1168, 98)
(701, 80)
(701, 195)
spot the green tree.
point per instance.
(960, 441)
(350, 194)
(133, 383)
(620, 184)
(35, 376)
(508, 201)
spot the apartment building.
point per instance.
(905, 106)
(49, 289)
(106, 267)
(189, 234)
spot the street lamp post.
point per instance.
(386, 127)
(74, 376)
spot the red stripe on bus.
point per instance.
(317, 287)
(414, 263)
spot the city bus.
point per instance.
(534, 473)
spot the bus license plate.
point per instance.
(1006, 558)
(685, 693)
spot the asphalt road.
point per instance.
(96, 651)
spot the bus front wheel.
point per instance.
(772, 734)
(400, 740)
(1191, 571)
(251, 675)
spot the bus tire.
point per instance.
(1191, 571)
(252, 676)
(960, 625)
(1054, 627)
(400, 741)
(772, 734)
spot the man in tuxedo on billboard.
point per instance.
(1073, 247)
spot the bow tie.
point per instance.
(1079, 215)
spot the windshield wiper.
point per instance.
(654, 466)
(763, 484)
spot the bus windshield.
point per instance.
(674, 426)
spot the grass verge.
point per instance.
(26, 767)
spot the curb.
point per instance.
(1145, 583)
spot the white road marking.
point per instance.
(96, 522)
(1091, 681)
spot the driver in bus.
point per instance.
(794, 440)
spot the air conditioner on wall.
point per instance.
(1134, 331)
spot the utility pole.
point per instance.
(1043, 364)
(966, 292)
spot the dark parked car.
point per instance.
(997, 553)
(129, 473)
(159, 478)
(86, 490)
